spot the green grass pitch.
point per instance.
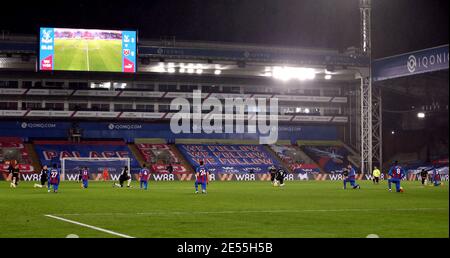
(88, 55)
(230, 209)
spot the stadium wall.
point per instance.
(130, 131)
(225, 177)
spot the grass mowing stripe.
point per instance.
(87, 55)
(88, 226)
(169, 213)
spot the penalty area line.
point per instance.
(88, 226)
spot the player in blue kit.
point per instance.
(396, 173)
(201, 177)
(143, 177)
(54, 178)
(350, 177)
(84, 177)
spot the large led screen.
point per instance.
(87, 50)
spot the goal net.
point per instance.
(70, 167)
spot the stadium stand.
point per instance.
(228, 158)
(160, 156)
(331, 156)
(52, 151)
(403, 158)
(353, 156)
(13, 149)
(295, 159)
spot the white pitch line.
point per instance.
(168, 213)
(284, 211)
(88, 226)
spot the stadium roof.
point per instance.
(243, 60)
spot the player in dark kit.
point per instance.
(15, 176)
(424, 176)
(345, 173)
(273, 172)
(279, 176)
(123, 177)
(43, 176)
(80, 176)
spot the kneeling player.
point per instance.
(424, 176)
(123, 177)
(436, 177)
(43, 177)
(129, 178)
(54, 178)
(273, 172)
(396, 174)
(201, 177)
(15, 176)
(143, 177)
(84, 177)
(280, 175)
(350, 177)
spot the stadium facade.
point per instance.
(226, 71)
(319, 117)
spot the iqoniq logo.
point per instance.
(239, 114)
(427, 62)
(37, 125)
(412, 63)
(124, 126)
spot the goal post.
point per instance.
(70, 166)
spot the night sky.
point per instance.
(398, 25)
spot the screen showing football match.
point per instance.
(87, 50)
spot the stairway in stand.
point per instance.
(181, 158)
(137, 154)
(34, 157)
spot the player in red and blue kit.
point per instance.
(350, 177)
(143, 177)
(396, 173)
(201, 177)
(84, 177)
(436, 177)
(54, 178)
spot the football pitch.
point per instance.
(88, 55)
(230, 210)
